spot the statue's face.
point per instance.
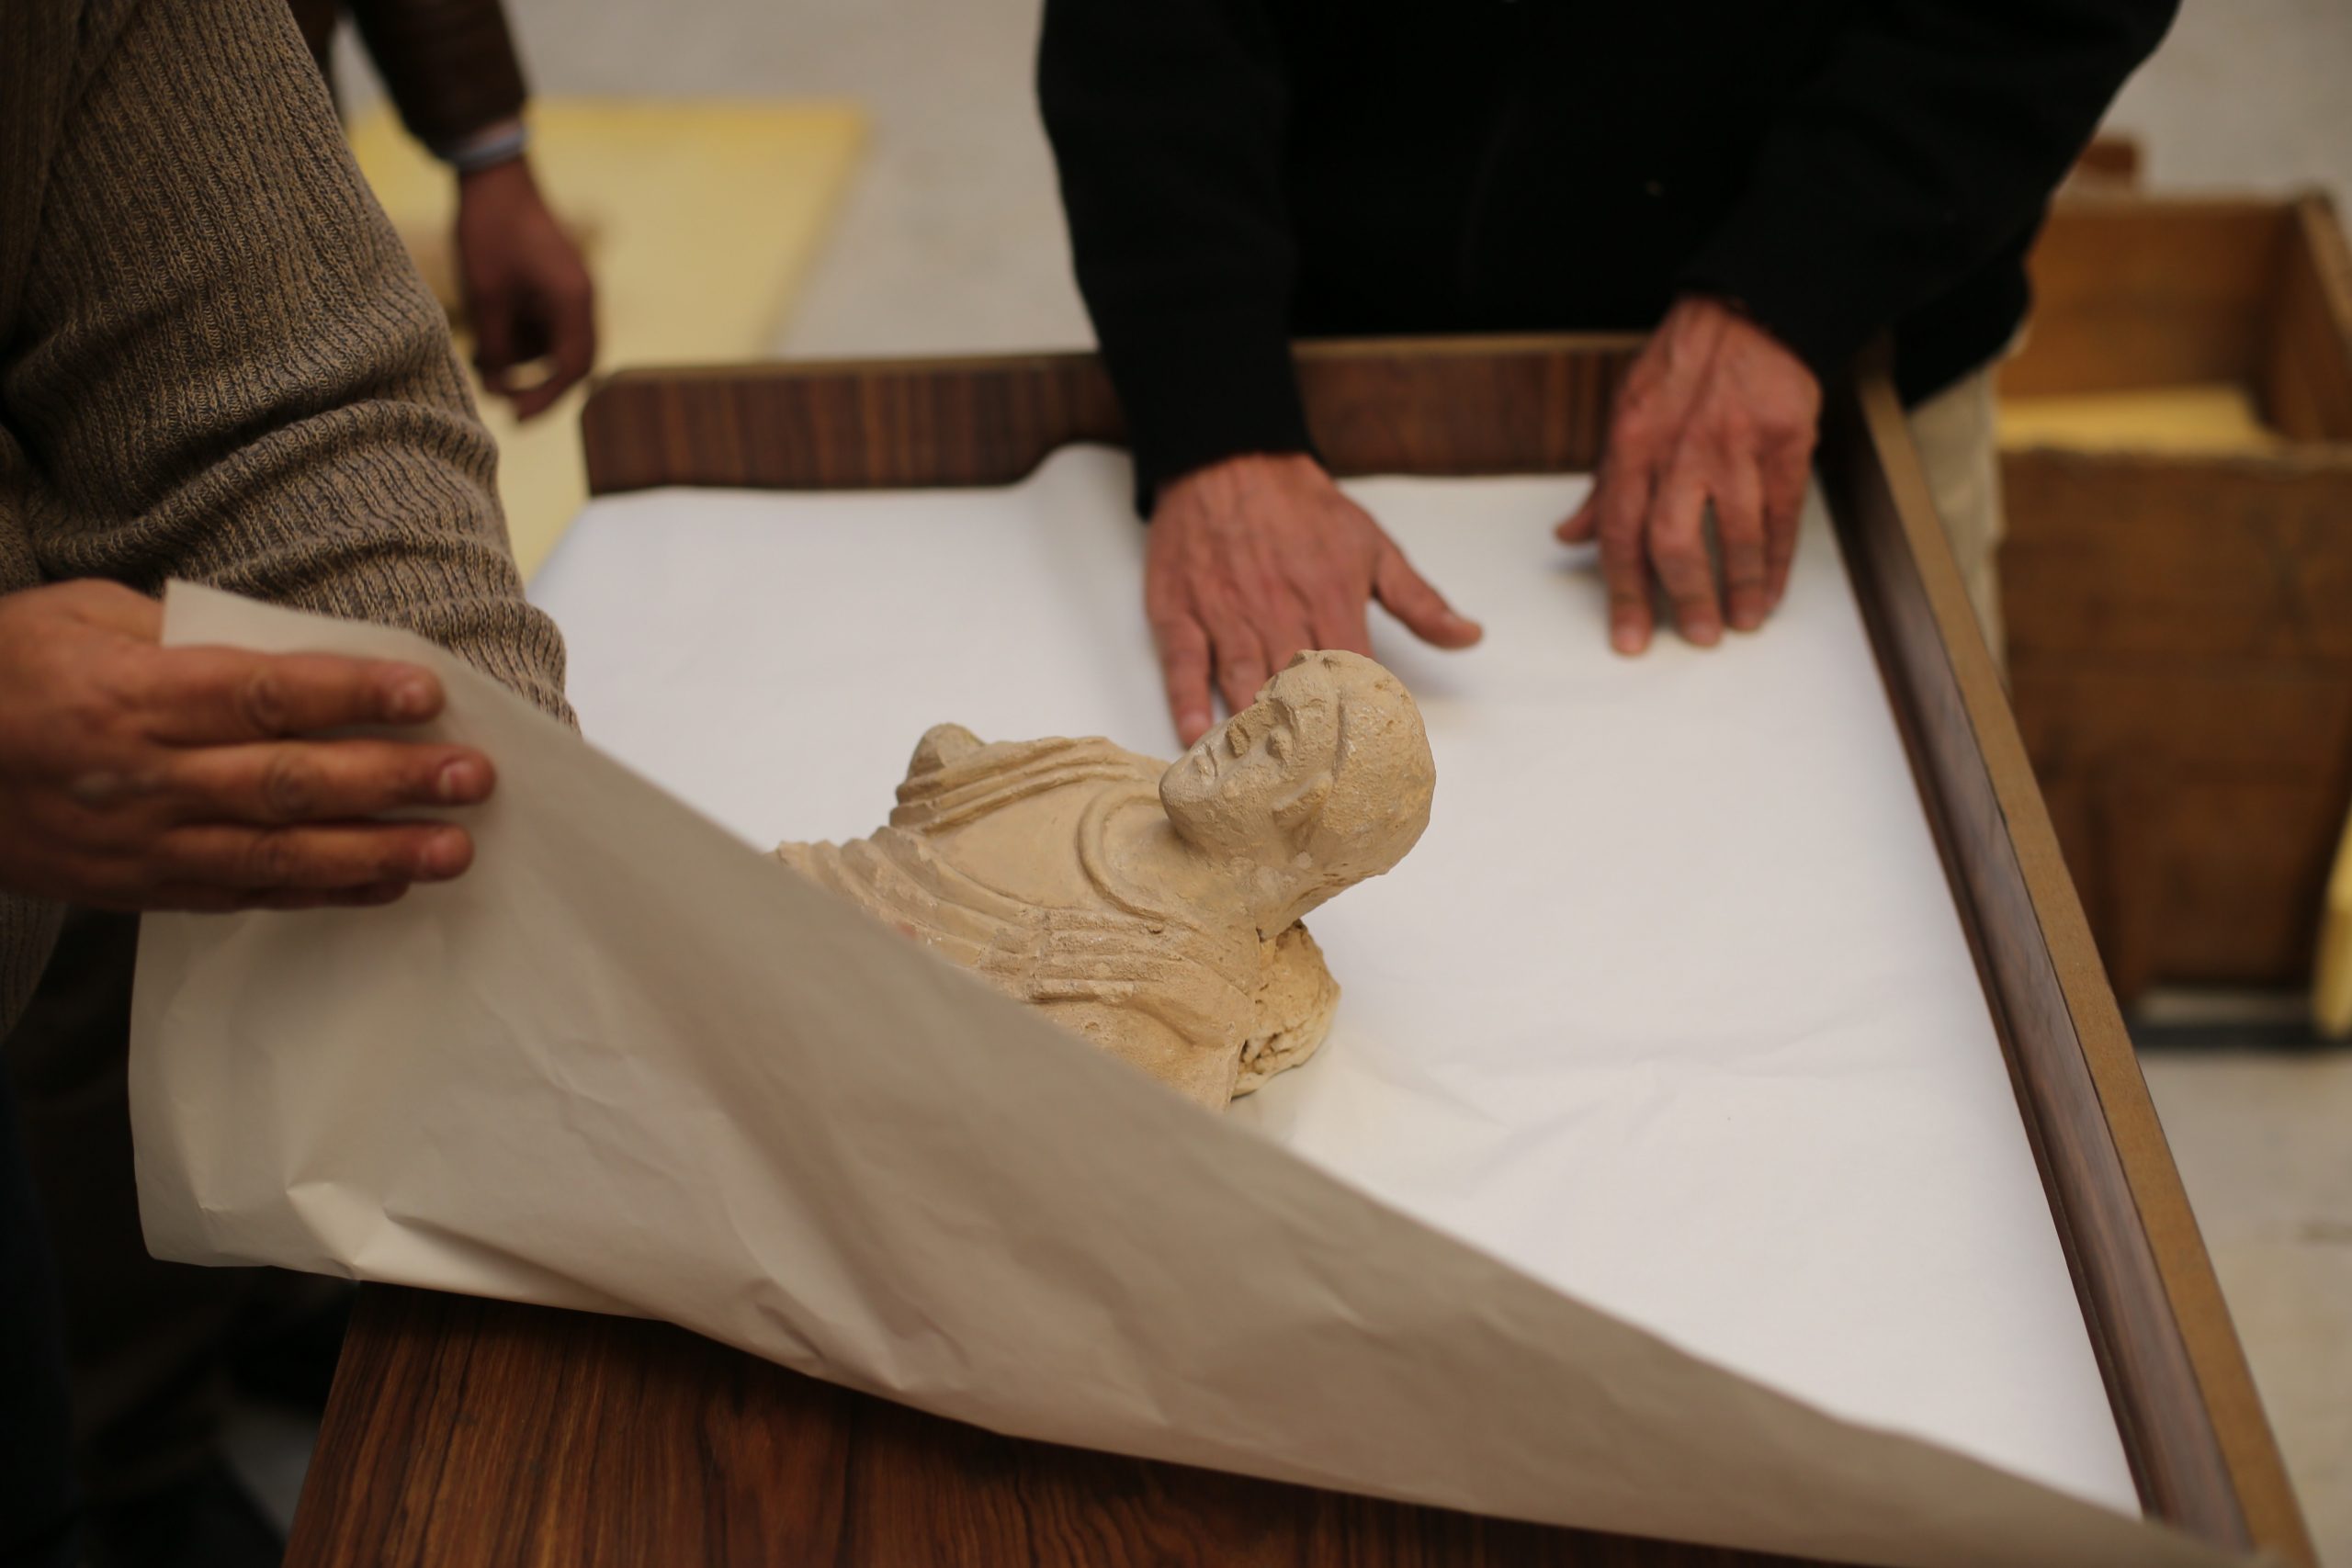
(1238, 790)
(1324, 780)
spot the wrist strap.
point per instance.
(487, 148)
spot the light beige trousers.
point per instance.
(1955, 433)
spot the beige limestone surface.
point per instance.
(1153, 907)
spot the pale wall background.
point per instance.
(953, 240)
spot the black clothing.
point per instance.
(449, 66)
(1240, 172)
(205, 1520)
(151, 1349)
(37, 1502)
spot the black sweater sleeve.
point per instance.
(449, 65)
(1167, 119)
(1929, 139)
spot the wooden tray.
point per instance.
(464, 1431)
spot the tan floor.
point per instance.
(2263, 1142)
(951, 240)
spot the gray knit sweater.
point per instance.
(216, 362)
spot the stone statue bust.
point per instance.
(1153, 907)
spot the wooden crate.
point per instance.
(2180, 626)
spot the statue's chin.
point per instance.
(1191, 778)
(1191, 813)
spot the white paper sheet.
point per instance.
(1670, 1008)
(625, 1063)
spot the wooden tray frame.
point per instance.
(469, 1431)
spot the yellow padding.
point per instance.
(2332, 977)
(2208, 419)
(699, 221)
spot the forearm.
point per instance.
(1927, 143)
(1167, 122)
(227, 370)
(450, 65)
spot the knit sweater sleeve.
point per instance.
(224, 367)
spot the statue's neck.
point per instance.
(1229, 886)
(1147, 847)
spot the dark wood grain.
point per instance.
(1433, 406)
(2192, 1427)
(464, 1432)
(467, 1432)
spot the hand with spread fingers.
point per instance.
(1717, 415)
(528, 296)
(1255, 559)
(134, 776)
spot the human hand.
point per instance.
(134, 776)
(527, 292)
(1715, 412)
(1255, 559)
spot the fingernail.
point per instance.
(1626, 639)
(445, 855)
(460, 782)
(413, 698)
(1705, 634)
(1746, 618)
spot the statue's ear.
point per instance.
(1300, 809)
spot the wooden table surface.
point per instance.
(466, 1432)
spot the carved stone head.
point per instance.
(1322, 782)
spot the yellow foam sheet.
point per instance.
(2331, 985)
(2219, 417)
(699, 221)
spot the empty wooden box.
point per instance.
(2180, 619)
